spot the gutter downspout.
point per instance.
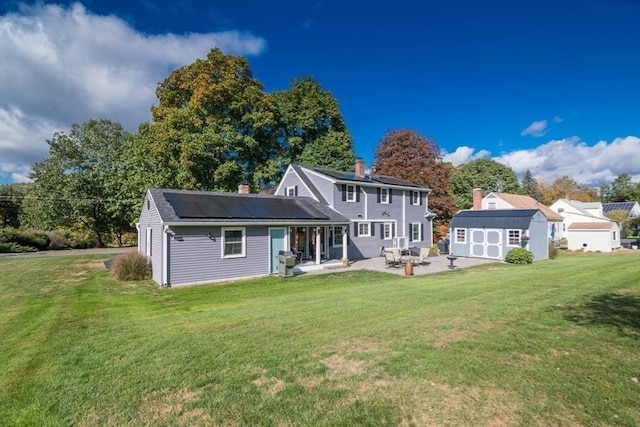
(165, 256)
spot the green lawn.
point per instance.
(553, 343)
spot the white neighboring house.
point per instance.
(496, 200)
(585, 226)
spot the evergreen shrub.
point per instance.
(519, 256)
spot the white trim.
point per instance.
(368, 234)
(301, 181)
(286, 244)
(282, 222)
(384, 230)
(148, 242)
(419, 239)
(382, 190)
(346, 195)
(243, 254)
(165, 256)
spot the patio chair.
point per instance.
(424, 256)
(390, 259)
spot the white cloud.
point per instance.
(558, 119)
(586, 164)
(464, 154)
(538, 128)
(60, 66)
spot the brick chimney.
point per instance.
(243, 188)
(359, 168)
(477, 198)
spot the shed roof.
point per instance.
(494, 218)
(205, 206)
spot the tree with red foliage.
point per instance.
(407, 155)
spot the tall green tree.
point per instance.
(73, 186)
(530, 186)
(407, 155)
(486, 174)
(623, 190)
(214, 127)
(311, 127)
(11, 197)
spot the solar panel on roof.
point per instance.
(215, 206)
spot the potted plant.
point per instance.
(524, 239)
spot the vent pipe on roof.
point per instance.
(477, 198)
(359, 168)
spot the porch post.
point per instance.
(345, 236)
(318, 246)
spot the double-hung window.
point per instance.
(387, 230)
(292, 191)
(337, 235)
(416, 234)
(234, 242)
(364, 229)
(351, 193)
(461, 235)
(384, 195)
(415, 197)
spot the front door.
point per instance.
(276, 244)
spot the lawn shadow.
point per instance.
(618, 310)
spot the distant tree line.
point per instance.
(213, 127)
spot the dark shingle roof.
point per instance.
(205, 206)
(371, 179)
(314, 190)
(493, 218)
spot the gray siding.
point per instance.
(291, 179)
(149, 217)
(325, 187)
(370, 246)
(196, 258)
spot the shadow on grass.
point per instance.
(617, 310)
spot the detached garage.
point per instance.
(493, 233)
(594, 236)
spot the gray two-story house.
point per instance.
(383, 211)
(193, 237)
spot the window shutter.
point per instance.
(379, 191)
(381, 231)
(411, 197)
(419, 197)
(344, 192)
(390, 194)
(421, 232)
(372, 229)
(357, 193)
(393, 229)
(355, 229)
(409, 234)
(295, 190)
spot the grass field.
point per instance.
(553, 343)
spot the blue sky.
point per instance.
(550, 86)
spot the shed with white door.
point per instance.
(493, 233)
